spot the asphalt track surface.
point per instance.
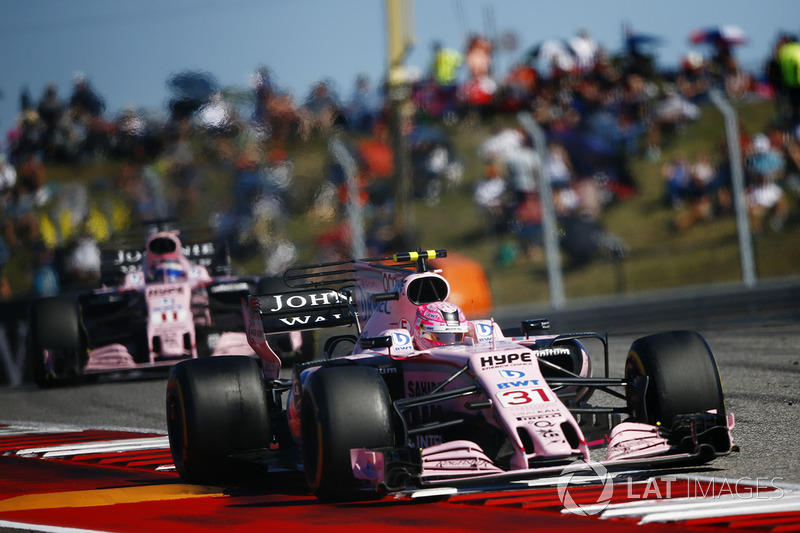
(754, 334)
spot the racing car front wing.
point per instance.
(693, 440)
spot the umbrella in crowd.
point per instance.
(551, 53)
(635, 41)
(725, 34)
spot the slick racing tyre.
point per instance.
(216, 410)
(56, 348)
(670, 374)
(343, 407)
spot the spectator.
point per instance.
(636, 117)
(766, 201)
(791, 150)
(45, 277)
(181, 171)
(490, 198)
(364, 109)
(435, 165)
(526, 224)
(693, 81)
(444, 71)
(764, 160)
(32, 178)
(673, 111)
(82, 264)
(218, 117)
(131, 134)
(519, 88)
(585, 49)
(322, 108)
(789, 60)
(698, 195)
(479, 90)
(263, 88)
(8, 180)
(479, 57)
(726, 68)
(558, 166)
(27, 136)
(85, 103)
(445, 65)
(143, 189)
(51, 109)
(524, 168)
(502, 142)
(275, 115)
(677, 178)
(773, 76)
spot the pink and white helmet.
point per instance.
(439, 323)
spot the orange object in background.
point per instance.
(469, 287)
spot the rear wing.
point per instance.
(268, 314)
(364, 278)
(325, 295)
(302, 310)
(115, 263)
(340, 293)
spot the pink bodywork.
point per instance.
(516, 397)
(171, 321)
(507, 370)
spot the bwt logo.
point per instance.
(401, 339)
(511, 374)
(517, 384)
(484, 330)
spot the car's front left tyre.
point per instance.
(342, 408)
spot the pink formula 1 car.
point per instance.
(159, 305)
(421, 397)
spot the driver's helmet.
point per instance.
(439, 323)
(167, 270)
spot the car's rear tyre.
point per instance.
(216, 410)
(56, 348)
(671, 374)
(343, 407)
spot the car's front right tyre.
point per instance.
(216, 410)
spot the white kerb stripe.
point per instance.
(63, 450)
(4, 524)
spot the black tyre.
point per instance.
(343, 407)
(670, 374)
(56, 348)
(216, 409)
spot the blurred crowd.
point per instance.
(598, 111)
